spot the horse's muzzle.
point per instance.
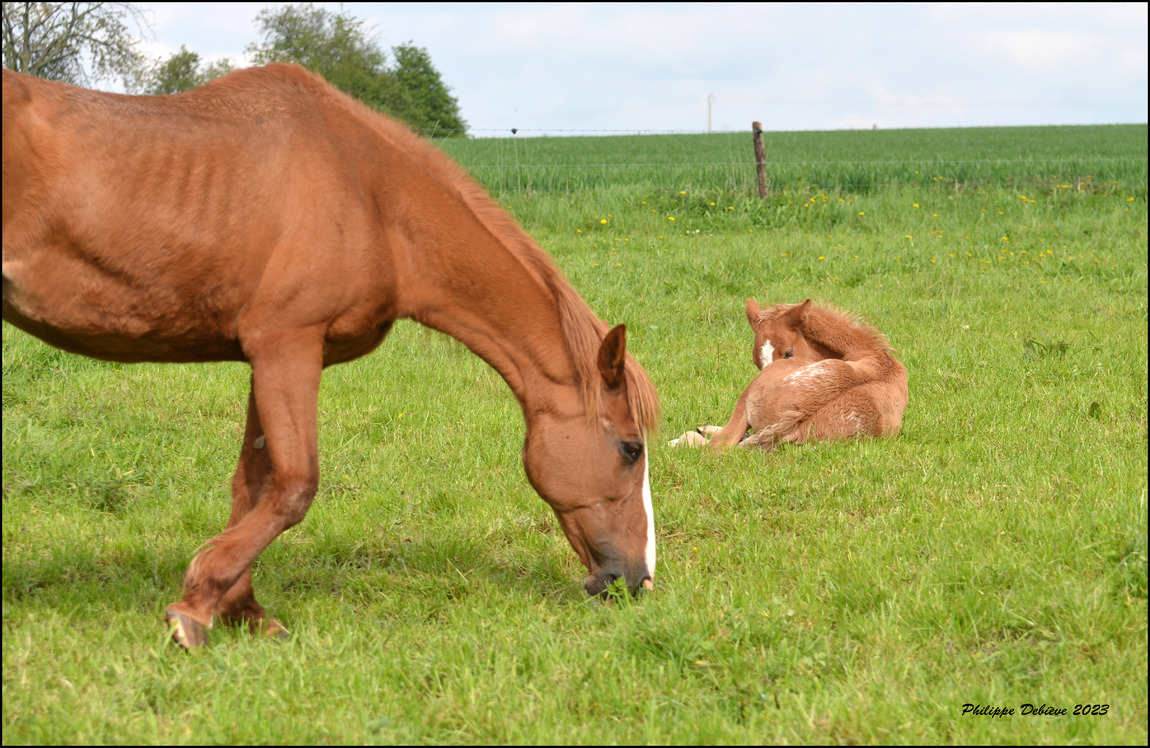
(596, 585)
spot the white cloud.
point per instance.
(652, 66)
(1036, 48)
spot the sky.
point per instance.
(567, 69)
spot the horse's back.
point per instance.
(145, 228)
(792, 399)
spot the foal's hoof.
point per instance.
(188, 633)
(689, 439)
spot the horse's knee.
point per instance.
(296, 496)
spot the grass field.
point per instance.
(993, 554)
(859, 161)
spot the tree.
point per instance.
(337, 46)
(52, 40)
(180, 72)
(434, 107)
(331, 44)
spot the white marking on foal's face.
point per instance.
(767, 354)
(650, 513)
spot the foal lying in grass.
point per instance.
(824, 375)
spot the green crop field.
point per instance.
(858, 161)
(993, 554)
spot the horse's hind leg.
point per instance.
(286, 370)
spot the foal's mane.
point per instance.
(583, 332)
(829, 324)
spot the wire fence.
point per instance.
(1085, 157)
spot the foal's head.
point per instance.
(592, 469)
(778, 332)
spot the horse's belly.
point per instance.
(87, 312)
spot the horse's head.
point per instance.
(593, 472)
(778, 332)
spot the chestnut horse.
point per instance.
(268, 218)
(824, 375)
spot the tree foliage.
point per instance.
(56, 40)
(182, 71)
(338, 47)
(62, 41)
(432, 107)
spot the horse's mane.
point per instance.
(826, 316)
(583, 332)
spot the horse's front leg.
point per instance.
(276, 481)
(238, 605)
(737, 426)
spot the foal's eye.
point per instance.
(790, 353)
(632, 451)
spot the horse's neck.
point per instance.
(834, 337)
(480, 291)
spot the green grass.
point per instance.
(860, 161)
(993, 553)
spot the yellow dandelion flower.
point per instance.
(602, 220)
(670, 218)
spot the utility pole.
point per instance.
(710, 98)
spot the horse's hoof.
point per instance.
(689, 439)
(188, 633)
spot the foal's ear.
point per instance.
(753, 312)
(804, 310)
(612, 356)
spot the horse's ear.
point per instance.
(612, 356)
(753, 312)
(804, 310)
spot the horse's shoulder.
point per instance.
(284, 76)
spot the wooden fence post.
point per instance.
(760, 158)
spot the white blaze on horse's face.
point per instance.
(601, 496)
(650, 516)
(767, 353)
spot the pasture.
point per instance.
(994, 553)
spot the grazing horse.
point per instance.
(266, 217)
(824, 375)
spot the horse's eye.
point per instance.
(790, 353)
(631, 451)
